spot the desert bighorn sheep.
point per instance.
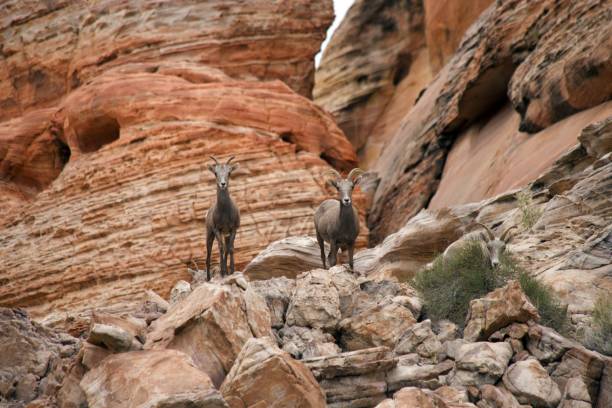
(491, 246)
(337, 221)
(222, 219)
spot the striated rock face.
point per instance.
(152, 378)
(371, 52)
(263, 375)
(137, 180)
(52, 48)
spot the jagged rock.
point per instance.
(150, 378)
(584, 364)
(420, 339)
(416, 398)
(546, 344)
(496, 310)
(315, 302)
(352, 363)
(277, 292)
(452, 394)
(381, 291)
(71, 395)
(34, 359)
(381, 325)
(446, 330)
(451, 347)
(515, 331)
(180, 290)
(575, 394)
(496, 397)
(93, 355)
(364, 390)
(263, 375)
(604, 398)
(161, 303)
(211, 326)
(302, 342)
(480, 363)
(110, 337)
(409, 374)
(531, 384)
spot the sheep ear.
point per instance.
(234, 166)
(212, 169)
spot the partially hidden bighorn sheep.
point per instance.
(492, 246)
(337, 221)
(223, 218)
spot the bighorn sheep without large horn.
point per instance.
(493, 247)
(337, 221)
(223, 218)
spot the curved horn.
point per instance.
(230, 159)
(332, 172)
(356, 172)
(489, 232)
(213, 157)
(503, 236)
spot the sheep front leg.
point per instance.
(222, 253)
(351, 247)
(230, 248)
(333, 253)
(210, 238)
(322, 246)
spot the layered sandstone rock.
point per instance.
(127, 211)
(52, 48)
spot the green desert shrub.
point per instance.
(599, 337)
(530, 213)
(450, 284)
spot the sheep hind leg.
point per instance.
(322, 246)
(222, 253)
(333, 253)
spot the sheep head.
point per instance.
(222, 171)
(346, 185)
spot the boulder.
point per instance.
(180, 290)
(150, 378)
(480, 363)
(112, 338)
(414, 398)
(211, 326)
(263, 375)
(585, 364)
(496, 310)
(315, 302)
(381, 325)
(303, 342)
(277, 293)
(575, 394)
(419, 339)
(496, 397)
(529, 382)
(546, 344)
(408, 373)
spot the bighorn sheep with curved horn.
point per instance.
(223, 218)
(337, 221)
(492, 246)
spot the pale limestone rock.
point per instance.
(496, 310)
(496, 397)
(264, 375)
(406, 374)
(150, 378)
(181, 290)
(303, 342)
(113, 338)
(531, 384)
(589, 366)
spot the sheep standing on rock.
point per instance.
(222, 219)
(337, 221)
(492, 246)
